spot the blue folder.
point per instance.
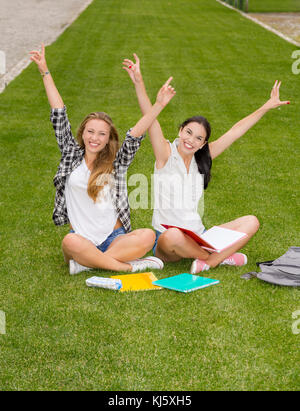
(185, 283)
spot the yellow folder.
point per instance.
(137, 282)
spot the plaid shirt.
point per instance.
(71, 157)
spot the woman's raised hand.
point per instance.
(166, 93)
(274, 100)
(39, 58)
(133, 69)
(53, 95)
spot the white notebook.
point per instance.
(220, 238)
(215, 239)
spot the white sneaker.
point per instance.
(76, 268)
(148, 262)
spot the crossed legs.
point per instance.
(173, 245)
(124, 248)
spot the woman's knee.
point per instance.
(72, 243)
(252, 223)
(172, 237)
(146, 237)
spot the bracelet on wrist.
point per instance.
(45, 73)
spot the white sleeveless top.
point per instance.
(178, 194)
(93, 220)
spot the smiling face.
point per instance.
(192, 138)
(95, 136)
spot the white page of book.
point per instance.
(220, 237)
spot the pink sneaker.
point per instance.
(235, 259)
(198, 266)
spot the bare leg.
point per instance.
(247, 224)
(130, 246)
(173, 245)
(87, 254)
(67, 256)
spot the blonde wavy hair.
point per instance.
(103, 165)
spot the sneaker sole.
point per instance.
(193, 268)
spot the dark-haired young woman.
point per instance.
(91, 192)
(186, 164)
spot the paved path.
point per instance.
(286, 23)
(24, 24)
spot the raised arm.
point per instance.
(59, 117)
(53, 95)
(160, 145)
(239, 129)
(164, 96)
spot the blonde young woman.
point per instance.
(190, 155)
(91, 191)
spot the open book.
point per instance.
(215, 239)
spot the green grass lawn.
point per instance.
(260, 6)
(233, 336)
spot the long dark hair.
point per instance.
(202, 156)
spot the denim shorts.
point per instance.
(107, 242)
(157, 235)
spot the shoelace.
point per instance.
(201, 266)
(229, 261)
(142, 265)
(145, 264)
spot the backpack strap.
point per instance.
(265, 262)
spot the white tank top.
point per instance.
(93, 220)
(178, 194)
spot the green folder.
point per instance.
(185, 283)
